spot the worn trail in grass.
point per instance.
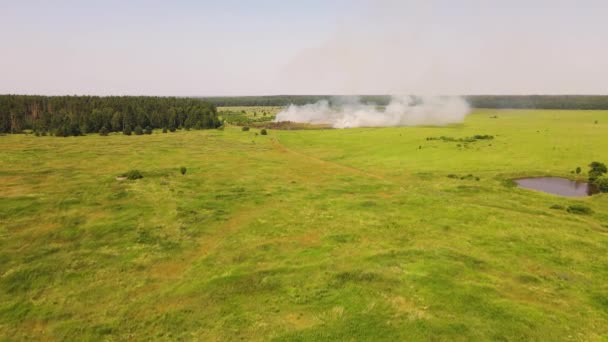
(305, 235)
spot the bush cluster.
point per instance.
(467, 177)
(579, 209)
(465, 139)
(133, 174)
(597, 176)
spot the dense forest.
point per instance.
(77, 115)
(476, 101)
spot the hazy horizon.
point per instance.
(236, 48)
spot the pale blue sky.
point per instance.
(303, 47)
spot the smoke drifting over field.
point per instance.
(401, 111)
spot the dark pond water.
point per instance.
(557, 186)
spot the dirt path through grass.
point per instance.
(277, 145)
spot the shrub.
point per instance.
(148, 130)
(464, 140)
(597, 169)
(138, 130)
(509, 183)
(164, 129)
(451, 175)
(103, 131)
(579, 209)
(127, 130)
(67, 130)
(245, 128)
(263, 131)
(133, 174)
(557, 207)
(578, 170)
(172, 127)
(182, 170)
(601, 184)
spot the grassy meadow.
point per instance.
(354, 234)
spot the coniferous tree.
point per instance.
(75, 115)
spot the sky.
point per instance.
(266, 47)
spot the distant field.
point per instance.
(248, 115)
(354, 234)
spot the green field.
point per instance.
(243, 116)
(355, 234)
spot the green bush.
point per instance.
(596, 170)
(127, 130)
(601, 184)
(579, 209)
(245, 128)
(103, 131)
(509, 183)
(138, 130)
(557, 207)
(263, 131)
(182, 170)
(148, 130)
(133, 174)
(578, 170)
(483, 137)
(164, 129)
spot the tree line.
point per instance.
(539, 101)
(476, 101)
(286, 100)
(77, 115)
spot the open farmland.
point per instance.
(353, 234)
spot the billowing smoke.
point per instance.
(401, 111)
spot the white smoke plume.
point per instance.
(401, 111)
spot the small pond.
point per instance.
(557, 186)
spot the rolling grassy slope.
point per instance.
(353, 234)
